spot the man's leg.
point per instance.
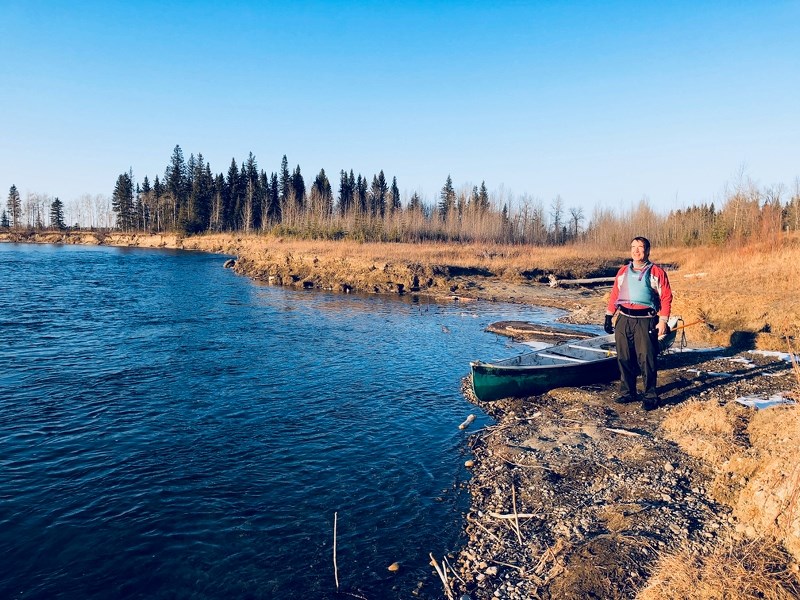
(646, 352)
(626, 359)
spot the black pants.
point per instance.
(637, 348)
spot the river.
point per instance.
(169, 429)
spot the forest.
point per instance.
(190, 199)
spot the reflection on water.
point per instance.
(171, 430)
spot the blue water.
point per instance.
(169, 429)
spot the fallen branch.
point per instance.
(514, 516)
(443, 576)
(335, 568)
(624, 432)
(485, 530)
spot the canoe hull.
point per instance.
(492, 383)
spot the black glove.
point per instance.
(607, 325)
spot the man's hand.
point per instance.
(661, 328)
(607, 326)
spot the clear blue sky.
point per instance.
(600, 102)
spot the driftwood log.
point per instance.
(555, 282)
(522, 330)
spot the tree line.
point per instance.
(189, 198)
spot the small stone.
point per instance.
(394, 567)
(469, 463)
(668, 467)
(491, 571)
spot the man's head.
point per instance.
(640, 248)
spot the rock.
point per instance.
(229, 264)
(394, 567)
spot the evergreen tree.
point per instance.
(274, 211)
(415, 204)
(395, 195)
(285, 181)
(233, 192)
(483, 196)
(175, 182)
(447, 198)
(298, 188)
(122, 202)
(4, 221)
(14, 206)
(218, 203)
(322, 194)
(256, 192)
(362, 195)
(146, 205)
(57, 214)
(346, 192)
(378, 193)
(198, 214)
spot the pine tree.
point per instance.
(14, 206)
(395, 194)
(285, 181)
(274, 200)
(57, 214)
(298, 188)
(122, 202)
(362, 194)
(415, 204)
(483, 196)
(4, 221)
(447, 198)
(146, 205)
(232, 196)
(345, 192)
(175, 182)
(322, 195)
(377, 195)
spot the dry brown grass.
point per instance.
(753, 455)
(751, 289)
(707, 430)
(736, 569)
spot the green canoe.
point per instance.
(569, 364)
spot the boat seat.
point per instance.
(563, 357)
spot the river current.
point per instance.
(169, 429)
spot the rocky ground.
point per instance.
(574, 496)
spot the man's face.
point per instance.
(637, 251)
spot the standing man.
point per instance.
(643, 297)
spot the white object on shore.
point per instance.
(761, 403)
(466, 423)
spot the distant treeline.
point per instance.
(190, 199)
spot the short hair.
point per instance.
(644, 241)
